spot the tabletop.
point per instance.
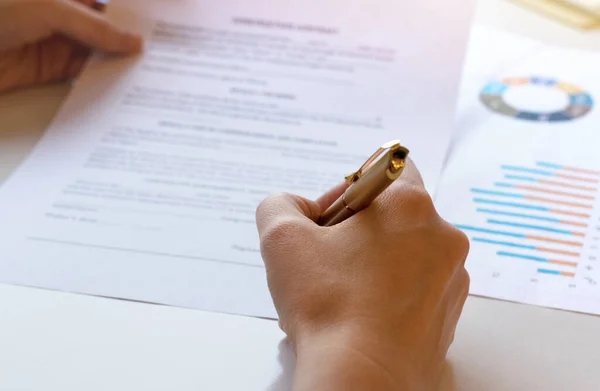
(58, 341)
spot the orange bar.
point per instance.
(580, 234)
(515, 81)
(567, 185)
(573, 204)
(576, 178)
(560, 193)
(569, 213)
(554, 251)
(581, 170)
(550, 240)
(554, 183)
(567, 274)
(563, 263)
(575, 223)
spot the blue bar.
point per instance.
(519, 225)
(515, 205)
(509, 244)
(489, 231)
(529, 170)
(546, 271)
(502, 184)
(521, 256)
(524, 216)
(498, 193)
(550, 165)
(543, 81)
(520, 178)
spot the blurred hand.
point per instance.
(371, 303)
(45, 41)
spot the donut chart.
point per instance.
(580, 102)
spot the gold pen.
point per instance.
(366, 184)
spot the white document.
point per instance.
(145, 186)
(524, 179)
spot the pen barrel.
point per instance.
(368, 188)
(362, 193)
(336, 213)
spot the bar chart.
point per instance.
(535, 224)
(539, 213)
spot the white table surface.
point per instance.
(55, 341)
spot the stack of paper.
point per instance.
(146, 184)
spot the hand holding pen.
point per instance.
(387, 285)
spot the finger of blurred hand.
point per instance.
(77, 60)
(81, 23)
(90, 3)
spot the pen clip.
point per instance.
(355, 176)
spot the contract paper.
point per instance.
(146, 184)
(524, 177)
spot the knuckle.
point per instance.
(458, 243)
(461, 242)
(452, 247)
(467, 283)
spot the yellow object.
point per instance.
(573, 13)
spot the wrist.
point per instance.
(352, 355)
